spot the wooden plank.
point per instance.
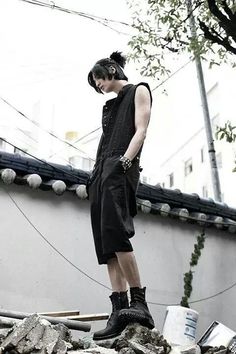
(90, 317)
(60, 313)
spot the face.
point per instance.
(105, 86)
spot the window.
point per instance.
(171, 179)
(188, 167)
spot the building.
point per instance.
(185, 165)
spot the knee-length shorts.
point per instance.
(112, 195)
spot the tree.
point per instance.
(228, 133)
(162, 27)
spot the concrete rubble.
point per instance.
(36, 335)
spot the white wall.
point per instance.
(35, 278)
(181, 133)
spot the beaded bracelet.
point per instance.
(126, 163)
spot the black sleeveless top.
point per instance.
(118, 123)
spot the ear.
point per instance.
(111, 70)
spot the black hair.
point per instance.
(102, 69)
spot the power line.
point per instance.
(52, 246)
(43, 129)
(42, 161)
(94, 280)
(174, 73)
(86, 135)
(168, 78)
(78, 140)
(101, 20)
(36, 141)
(169, 213)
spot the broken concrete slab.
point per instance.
(36, 335)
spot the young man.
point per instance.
(112, 190)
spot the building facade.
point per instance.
(186, 166)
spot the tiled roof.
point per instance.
(150, 199)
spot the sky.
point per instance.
(46, 55)
(47, 52)
(45, 58)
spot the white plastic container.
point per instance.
(180, 325)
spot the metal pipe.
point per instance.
(76, 325)
(210, 142)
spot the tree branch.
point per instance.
(228, 11)
(216, 38)
(228, 25)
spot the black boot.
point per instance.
(138, 310)
(114, 327)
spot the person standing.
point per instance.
(112, 190)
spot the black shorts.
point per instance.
(113, 206)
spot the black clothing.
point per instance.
(112, 192)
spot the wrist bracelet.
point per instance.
(126, 163)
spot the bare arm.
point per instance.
(142, 115)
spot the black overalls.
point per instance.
(112, 193)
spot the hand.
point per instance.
(125, 162)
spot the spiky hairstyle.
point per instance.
(101, 70)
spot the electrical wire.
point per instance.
(96, 281)
(52, 246)
(93, 131)
(34, 140)
(174, 73)
(169, 213)
(40, 160)
(32, 148)
(96, 18)
(78, 140)
(77, 12)
(101, 20)
(45, 130)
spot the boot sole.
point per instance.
(109, 336)
(127, 318)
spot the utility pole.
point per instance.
(207, 121)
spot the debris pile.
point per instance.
(137, 339)
(36, 335)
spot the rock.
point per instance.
(36, 335)
(142, 340)
(135, 339)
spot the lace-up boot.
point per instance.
(114, 327)
(138, 310)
